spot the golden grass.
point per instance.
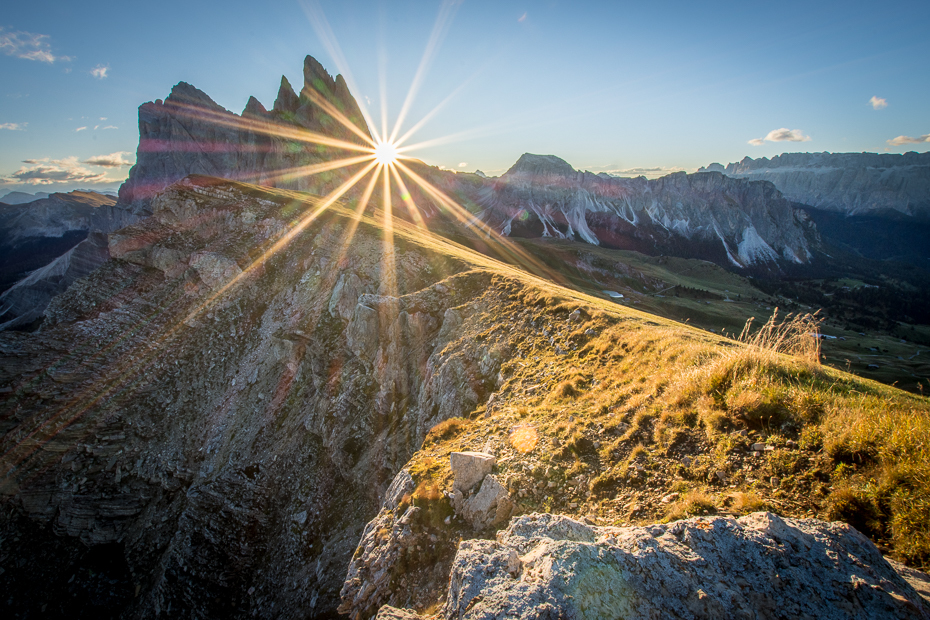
(692, 503)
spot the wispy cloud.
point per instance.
(28, 46)
(13, 126)
(80, 129)
(113, 160)
(522, 17)
(909, 140)
(463, 164)
(781, 135)
(51, 171)
(100, 71)
(878, 103)
(111, 127)
(650, 173)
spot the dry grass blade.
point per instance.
(796, 335)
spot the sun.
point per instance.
(386, 153)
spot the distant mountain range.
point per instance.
(731, 221)
(849, 183)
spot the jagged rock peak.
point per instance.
(184, 94)
(254, 107)
(540, 165)
(287, 99)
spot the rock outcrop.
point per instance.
(709, 215)
(758, 566)
(189, 133)
(851, 183)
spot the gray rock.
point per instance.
(758, 566)
(470, 468)
(489, 506)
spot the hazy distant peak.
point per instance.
(17, 198)
(530, 163)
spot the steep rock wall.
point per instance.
(232, 437)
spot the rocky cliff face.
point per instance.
(707, 215)
(231, 437)
(189, 133)
(851, 183)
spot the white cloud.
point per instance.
(28, 46)
(49, 172)
(113, 160)
(463, 164)
(909, 140)
(100, 71)
(80, 129)
(781, 135)
(522, 17)
(878, 103)
(111, 127)
(13, 126)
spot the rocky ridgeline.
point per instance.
(757, 566)
(188, 133)
(851, 183)
(712, 216)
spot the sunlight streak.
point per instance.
(298, 134)
(440, 27)
(408, 200)
(323, 30)
(286, 237)
(507, 247)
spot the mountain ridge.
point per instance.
(851, 183)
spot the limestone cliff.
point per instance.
(708, 215)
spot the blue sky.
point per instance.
(608, 86)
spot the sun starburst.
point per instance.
(385, 153)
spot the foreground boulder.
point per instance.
(758, 566)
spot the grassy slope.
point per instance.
(613, 413)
